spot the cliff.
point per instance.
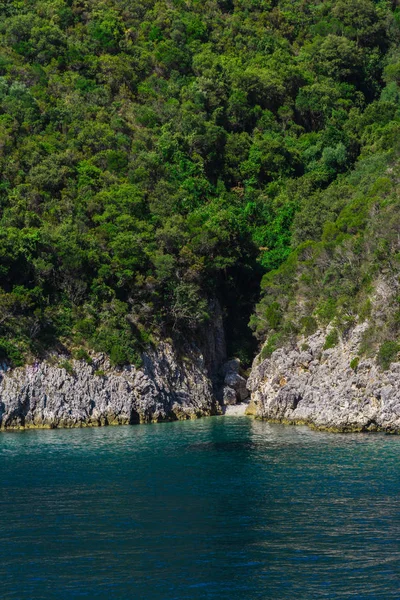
(327, 389)
(166, 387)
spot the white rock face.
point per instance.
(318, 387)
(164, 388)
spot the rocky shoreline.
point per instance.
(166, 387)
(326, 389)
(175, 381)
(304, 384)
(61, 393)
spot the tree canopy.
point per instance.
(155, 155)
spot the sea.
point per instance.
(221, 508)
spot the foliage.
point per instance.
(155, 156)
(332, 339)
(10, 352)
(67, 365)
(387, 353)
(270, 346)
(354, 363)
(350, 274)
(81, 354)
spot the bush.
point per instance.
(326, 311)
(10, 353)
(309, 325)
(387, 354)
(66, 364)
(120, 356)
(81, 354)
(354, 363)
(369, 341)
(85, 326)
(331, 339)
(120, 344)
(273, 315)
(271, 345)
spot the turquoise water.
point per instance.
(220, 508)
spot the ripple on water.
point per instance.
(220, 508)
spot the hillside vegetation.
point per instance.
(155, 156)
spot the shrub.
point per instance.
(120, 356)
(331, 339)
(119, 344)
(326, 310)
(273, 315)
(308, 325)
(85, 326)
(369, 341)
(10, 353)
(354, 363)
(81, 354)
(270, 346)
(66, 364)
(365, 309)
(387, 353)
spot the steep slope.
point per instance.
(331, 312)
(332, 389)
(154, 154)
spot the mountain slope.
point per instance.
(155, 156)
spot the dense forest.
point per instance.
(158, 155)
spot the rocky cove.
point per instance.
(166, 387)
(300, 384)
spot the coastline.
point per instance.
(166, 387)
(308, 384)
(303, 384)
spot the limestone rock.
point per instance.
(319, 388)
(166, 387)
(235, 386)
(229, 395)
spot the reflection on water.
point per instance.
(220, 508)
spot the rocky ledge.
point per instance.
(305, 384)
(48, 394)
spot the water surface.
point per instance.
(222, 508)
